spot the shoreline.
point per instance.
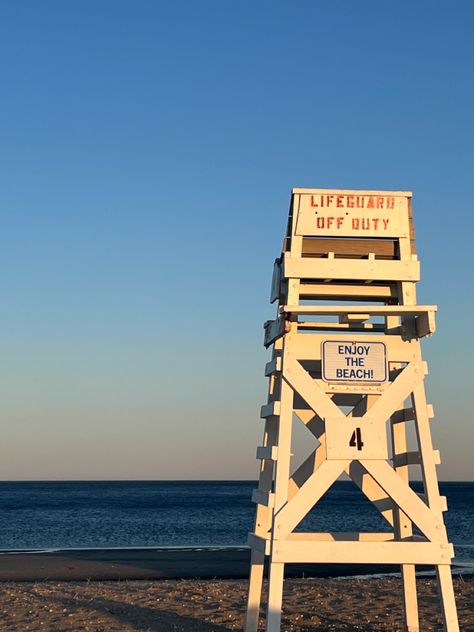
(167, 563)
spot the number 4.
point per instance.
(356, 439)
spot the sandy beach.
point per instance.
(217, 605)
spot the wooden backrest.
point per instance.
(341, 226)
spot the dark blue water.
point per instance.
(136, 514)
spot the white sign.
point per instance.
(354, 361)
(355, 215)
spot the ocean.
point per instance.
(47, 515)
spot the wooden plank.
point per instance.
(276, 281)
(372, 310)
(349, 248)
(413, 458)
(274, 329)
(305, 191)
(425, 325)
(342, 536)
(275, 595)
(291, 551)
(339, 291)
(407, 458)
(267, 452)
(304, 499)
(273, 366)
(398, 391)
(325, 326)
(258, 543)
(259, 497)
(272, 409)
(338, 216)
(403, 415)
(303, 384)
(257, 564)
(282, 467)
(407, 500)
(425, 445)
(448, 602)
(372, 434)
(309, 268)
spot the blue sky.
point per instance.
(148, 150)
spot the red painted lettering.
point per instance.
(385, 223)
(370, 203)
(390, 202)
(340, 221)
(355, 223)
(380, 201)
(350, 201)
(320, 222)
(340, 201)
(313, 201)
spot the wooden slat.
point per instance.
(362, 552)
(347, 292)
(267, 453)
(309, 494)
(305, 191)
(274, 329)
(372, 310)
(296, 268)
(324, 326)
(408, 458)
(267, 499)
(269, 410)
(406, 499)
(258, 543)
(314, 395)
(342, 536)
(350, 248)
(273, 366)
(398, 391)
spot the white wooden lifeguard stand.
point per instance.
(353, 373)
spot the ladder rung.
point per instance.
(273, 366)
(268, 453)
(402, 415)
(443, 501)
(361, 310)
(407, 458)
(267, 499)
(413, 458)
(271, 409)
(258, 543)
(408, 414)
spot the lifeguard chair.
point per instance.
(346, 362)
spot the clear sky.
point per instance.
(147, 153)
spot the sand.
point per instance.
(218, 605)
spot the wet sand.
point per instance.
(314, 605)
